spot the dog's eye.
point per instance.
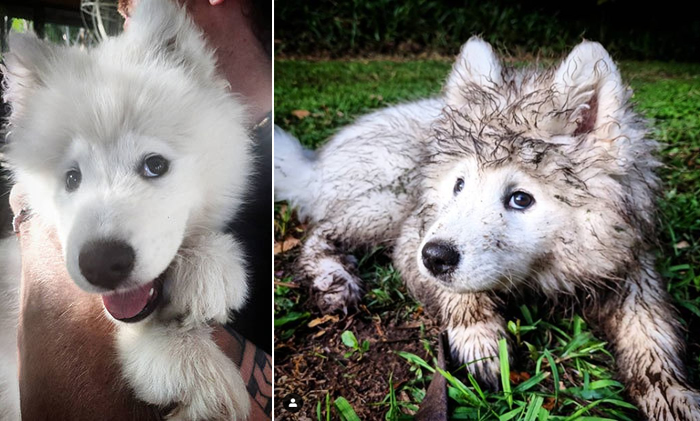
(520, 201)
(459, 185)
(73, 178)
(154, 166)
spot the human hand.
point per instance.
(67, 359)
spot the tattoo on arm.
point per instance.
(256, 369)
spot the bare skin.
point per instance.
(242, 60)
(63, 331)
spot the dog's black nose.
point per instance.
(440, 257)
(106, 263)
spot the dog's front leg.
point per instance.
(641, 324)
(206, 281)
(171, 365)
(334, 282)
(474, 327)
(171, 358)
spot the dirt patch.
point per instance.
(314, 362)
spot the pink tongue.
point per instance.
(125, 305)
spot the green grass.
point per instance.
(336, 92)
(562, 370)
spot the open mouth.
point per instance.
(135, 304)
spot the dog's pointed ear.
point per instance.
(25, 67)
(477, 65)
(588, 85)
(165, 29)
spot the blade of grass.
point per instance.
(328, 407)
(291, 317)
(533, 408)
(345, 410)
(531, 382)
(555, 372)
(577, 415)
(505, 370)
(462, 388)
(415, 360)
(510, 414)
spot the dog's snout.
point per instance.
(440, 257)
(106, 263)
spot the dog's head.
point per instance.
(126, 148)
(535, 176)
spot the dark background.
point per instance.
(636, 30)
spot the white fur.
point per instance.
(183, 363)
(294, 164)
(497, 246)
(476, 64)
(153, 89)
(475, 346)
(589, 70)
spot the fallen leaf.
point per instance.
(378, 328)
(548, 403)
(301, 114)
(319, 333)
(286, 245)
(324, 319)
(518, 377)
(682, 245)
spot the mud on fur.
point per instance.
(511, 180)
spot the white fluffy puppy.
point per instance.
(138, 154)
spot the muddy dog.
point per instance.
(513, 179)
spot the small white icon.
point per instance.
(293, 403)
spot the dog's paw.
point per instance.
(234, 402)
(335, 287)
(476, 347)
(669, 403)
(168, 365)
(207, 279)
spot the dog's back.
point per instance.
(377, 186)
